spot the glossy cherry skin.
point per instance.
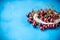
(50, 25)
(30, 19)
(55, 16)
(38, 16)
(52, 20)
(54, 25)
(40, 24)
(45, 20)
(29, 15)
(45, 26)
(34, 23)
(42, 28)
(42, 12)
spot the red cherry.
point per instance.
(42, 12)
(55, 16)
(51, 20)
(48, 25)
(42, 18)
(30, 19)
(51, 25)
(28, 14)
(34, 23)
(51, 15)
(38, 16)
(39, 13)
(42, 28)
(40, 24)
(45, 20)
(54, 25)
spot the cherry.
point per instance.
(54, 25)
(48, 25)
(45, 20)
(55, 16)
(34, 23)
(42, 18)
(51, 25)
(52, 20)
(40, 24)
(51, 15)
(30, 19)
(42, 28)
(42, 12)
(39, 13)
(38, 16)
(29, 15)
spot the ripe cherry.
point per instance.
(29, 15)
(39, 13)
(52, 20)
(45, 20)
(34, 23)
(42, 28)
(42, 18)
(40, 24)
(42, 13)
(51, 15)
(54, 25)
(30, 19)
(38, 16)
(55, 16)
(48, 25)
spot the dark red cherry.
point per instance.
(42, 28)
(48, 25)
(34, 23)
(29, 15)
(38, 16)
(40, 24)
(45, 20)
(45, 26)
(52, 20)
(30, 19)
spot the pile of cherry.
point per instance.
(48, 16)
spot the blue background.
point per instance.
(13, 20)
